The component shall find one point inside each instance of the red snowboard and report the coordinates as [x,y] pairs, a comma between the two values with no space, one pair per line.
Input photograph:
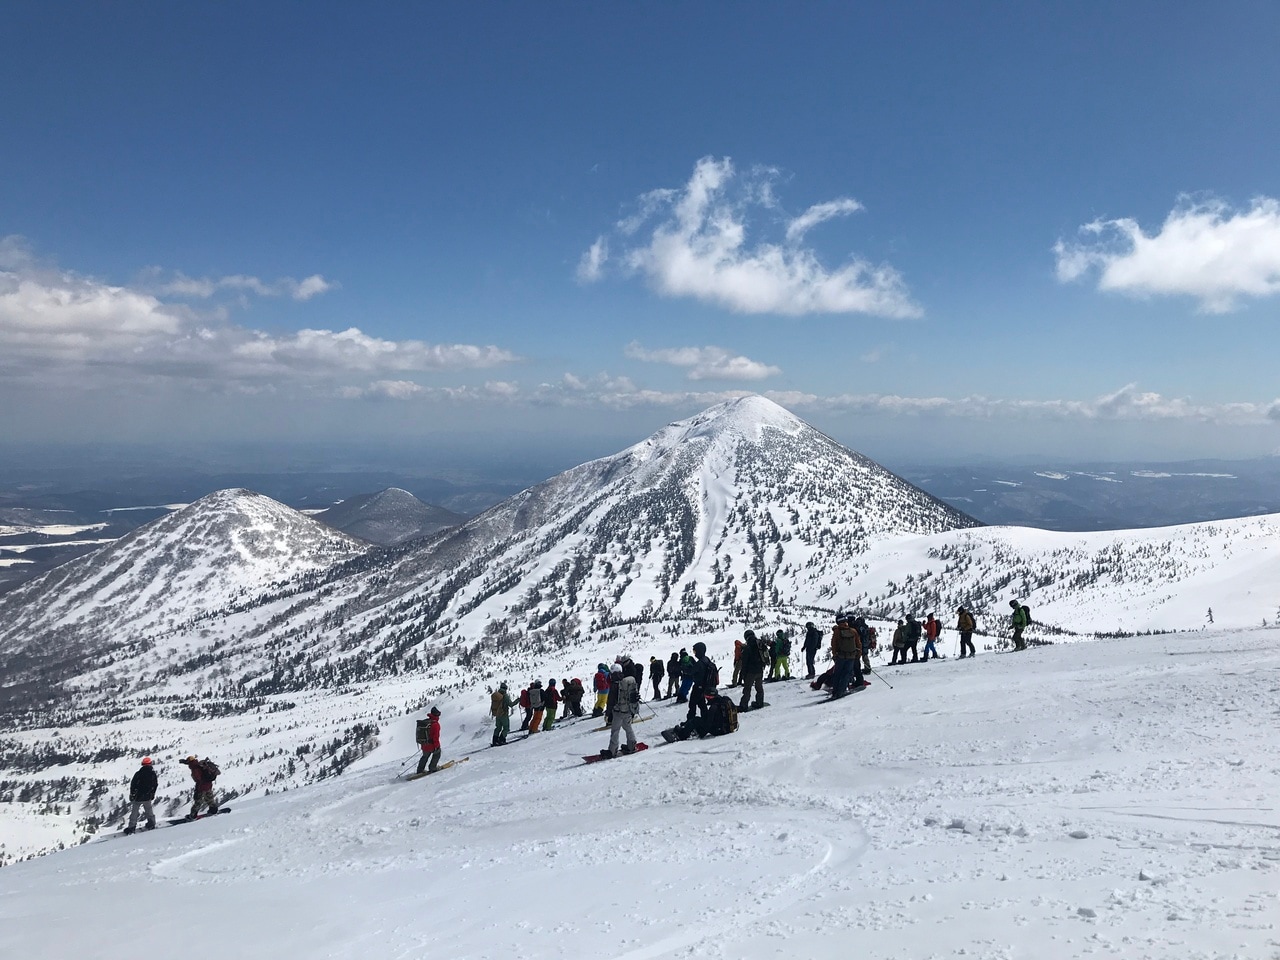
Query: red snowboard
[605,756]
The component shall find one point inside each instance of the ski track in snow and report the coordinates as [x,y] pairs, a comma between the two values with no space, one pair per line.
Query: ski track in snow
[1112,799]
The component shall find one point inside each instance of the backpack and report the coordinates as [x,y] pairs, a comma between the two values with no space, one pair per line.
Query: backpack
[712,677]
[423,731]
[524,700]
[210,769]
[496,703]
[1026,612]
[722,717]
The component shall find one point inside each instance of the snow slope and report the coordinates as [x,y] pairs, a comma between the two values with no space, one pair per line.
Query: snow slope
[1079,800]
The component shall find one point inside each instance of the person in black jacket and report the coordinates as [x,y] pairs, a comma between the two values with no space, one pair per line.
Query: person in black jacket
[704,681]
[142,790]
[812,644]
[753,656]
[656,672]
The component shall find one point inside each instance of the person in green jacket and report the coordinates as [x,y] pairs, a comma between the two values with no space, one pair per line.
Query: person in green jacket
[1019,624]
[500,709]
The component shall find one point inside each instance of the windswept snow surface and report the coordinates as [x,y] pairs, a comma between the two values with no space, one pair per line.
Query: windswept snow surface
[1082,800]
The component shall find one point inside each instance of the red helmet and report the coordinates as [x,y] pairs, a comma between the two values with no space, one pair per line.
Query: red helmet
[146,761]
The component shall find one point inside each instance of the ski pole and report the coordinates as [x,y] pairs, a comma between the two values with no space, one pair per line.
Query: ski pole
[886,682]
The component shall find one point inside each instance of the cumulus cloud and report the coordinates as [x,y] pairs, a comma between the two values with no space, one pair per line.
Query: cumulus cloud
[705,363]
[693,243]
[1206,250]
[52,320]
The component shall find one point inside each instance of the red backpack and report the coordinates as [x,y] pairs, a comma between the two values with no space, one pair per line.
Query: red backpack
[524,699]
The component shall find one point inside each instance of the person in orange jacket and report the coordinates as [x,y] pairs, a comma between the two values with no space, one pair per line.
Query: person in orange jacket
[431,749]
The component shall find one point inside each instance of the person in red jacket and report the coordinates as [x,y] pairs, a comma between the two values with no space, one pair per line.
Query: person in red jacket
[204,788]
[431,749]
[601,686]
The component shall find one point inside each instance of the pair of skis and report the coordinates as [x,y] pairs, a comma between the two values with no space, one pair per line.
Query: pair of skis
[444,766]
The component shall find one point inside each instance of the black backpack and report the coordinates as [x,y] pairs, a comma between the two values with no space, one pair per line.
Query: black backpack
[722,717]
[423,732]
[712,677]
[210,769]
[1026,612]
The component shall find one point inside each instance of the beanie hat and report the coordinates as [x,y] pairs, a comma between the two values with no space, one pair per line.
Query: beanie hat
[699,648]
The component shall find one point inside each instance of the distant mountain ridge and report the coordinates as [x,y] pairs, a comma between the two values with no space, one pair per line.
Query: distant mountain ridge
[388,517]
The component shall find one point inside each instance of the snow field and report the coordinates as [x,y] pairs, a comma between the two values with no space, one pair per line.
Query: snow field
[1080,800]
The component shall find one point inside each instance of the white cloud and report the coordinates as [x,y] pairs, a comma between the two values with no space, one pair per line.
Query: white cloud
[698,248]
[705,363]
[156,281]
[820,213]
[591,266]
[1204,250]
[55,321]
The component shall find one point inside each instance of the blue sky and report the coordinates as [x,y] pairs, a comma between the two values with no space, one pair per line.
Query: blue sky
[933,230]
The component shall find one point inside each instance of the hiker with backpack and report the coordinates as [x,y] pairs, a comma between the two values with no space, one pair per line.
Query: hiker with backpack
[656,672]
[621,707]
[931,630]
[673,675]
[686,676]
[913,635]
[773,658]
[500,704]
[574,692]
[866,640]
[754,652]
[965,625]
[705,678]
[899,644]
[551,700]
[538,705]
[781,656]
[142,791]
[812,644]
[429,739]
[203,772]
[846,650]
[600,684]
[1021,617]
[528,710]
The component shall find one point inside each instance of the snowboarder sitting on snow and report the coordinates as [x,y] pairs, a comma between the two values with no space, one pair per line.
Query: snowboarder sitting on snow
[623,704]
[142,790]
[824,680]
[431,745]
[500,705]
[203,772]
[721,718]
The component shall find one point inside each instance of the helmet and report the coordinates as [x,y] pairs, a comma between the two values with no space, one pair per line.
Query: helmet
[1013,603]
[748,634]
[502,685]
[780,634]
[146,761]
[190,759]
[842,618]
[699,648]
[616,668]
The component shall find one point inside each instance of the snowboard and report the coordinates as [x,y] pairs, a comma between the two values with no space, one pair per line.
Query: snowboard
[605,756]
[753,706]
[444,766]
[203,816]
